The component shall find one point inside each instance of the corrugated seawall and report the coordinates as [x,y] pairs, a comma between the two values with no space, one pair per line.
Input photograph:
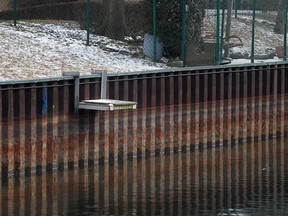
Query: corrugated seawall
[177,110]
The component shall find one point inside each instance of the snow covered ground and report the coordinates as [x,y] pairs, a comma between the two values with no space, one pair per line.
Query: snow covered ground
[34,49]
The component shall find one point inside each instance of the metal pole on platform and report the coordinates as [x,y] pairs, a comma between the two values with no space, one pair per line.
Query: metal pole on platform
[154,31]
[184,32]
[88,22]
[285,32]
[15,12]
[253,32]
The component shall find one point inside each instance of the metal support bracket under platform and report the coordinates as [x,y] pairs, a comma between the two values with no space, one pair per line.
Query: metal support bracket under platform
[102,104]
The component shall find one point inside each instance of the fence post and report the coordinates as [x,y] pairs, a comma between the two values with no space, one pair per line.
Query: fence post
[285,32]
[154,31]
[15,12]
[253,32]
[217,49]
[222,30]
[88,22]
[236,8]
[228,24]
[184,32]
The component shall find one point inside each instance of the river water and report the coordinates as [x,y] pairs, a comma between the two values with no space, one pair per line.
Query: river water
[246,179]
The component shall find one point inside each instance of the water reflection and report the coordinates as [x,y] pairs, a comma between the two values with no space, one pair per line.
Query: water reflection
[246,179]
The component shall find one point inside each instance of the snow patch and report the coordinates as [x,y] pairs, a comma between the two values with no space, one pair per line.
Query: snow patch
[36,50]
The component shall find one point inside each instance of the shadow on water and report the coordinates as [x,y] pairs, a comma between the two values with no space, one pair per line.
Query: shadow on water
[247,179]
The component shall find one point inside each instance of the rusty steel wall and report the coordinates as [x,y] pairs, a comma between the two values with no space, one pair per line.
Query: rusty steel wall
[176,111]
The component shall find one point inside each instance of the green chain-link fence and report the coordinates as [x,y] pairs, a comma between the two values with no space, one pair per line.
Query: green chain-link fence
[175,32]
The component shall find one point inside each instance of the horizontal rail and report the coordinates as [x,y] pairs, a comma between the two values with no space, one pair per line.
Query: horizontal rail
[194,71]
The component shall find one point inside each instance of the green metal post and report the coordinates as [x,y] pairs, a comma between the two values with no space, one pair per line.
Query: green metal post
[154,31]
[222,29]
[184,32]
[217,48]
[253,32]
[15,12]
[236,8]
[88,22]
[285,32]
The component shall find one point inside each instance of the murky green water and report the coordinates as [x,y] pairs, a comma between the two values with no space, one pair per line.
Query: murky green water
[247,179]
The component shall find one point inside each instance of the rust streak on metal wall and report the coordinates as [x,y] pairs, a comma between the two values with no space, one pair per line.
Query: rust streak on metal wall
[203,113]
[39,133]
[236,126]
[244,101]
[116,123]
[273,120]
[260,104]
[105,133]
[221,109]
[251,113]
[161,113]
[134,118]
[64,117]
[22,125]
[93,129]
[171,111]
[104,152]
[143,116]
[10,132]
[212,111]
[42,149]
[267,102]
[101,136]
[152,138]
[179,112]
[72,153]
[84,137]
[188,111]
[33,125]
[1,133]
[149,117]
[286,105]
[228,110]
[126,148]
[96,148]
[282,101]
[54,127]
[196,111]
